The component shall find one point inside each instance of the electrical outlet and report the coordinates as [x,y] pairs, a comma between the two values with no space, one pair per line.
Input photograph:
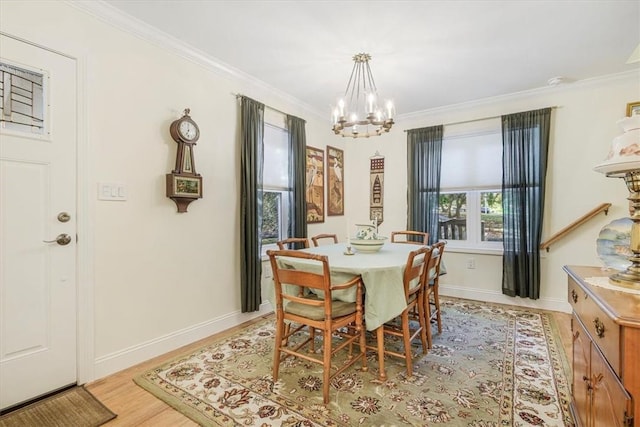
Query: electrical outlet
[471,263]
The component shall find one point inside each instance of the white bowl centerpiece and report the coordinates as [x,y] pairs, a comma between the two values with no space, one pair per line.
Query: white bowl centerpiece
[367,239]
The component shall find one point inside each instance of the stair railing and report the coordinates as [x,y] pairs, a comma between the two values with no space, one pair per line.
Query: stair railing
[604,207]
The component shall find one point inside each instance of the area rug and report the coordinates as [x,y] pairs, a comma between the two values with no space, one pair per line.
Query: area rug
[493,365]
[74,407]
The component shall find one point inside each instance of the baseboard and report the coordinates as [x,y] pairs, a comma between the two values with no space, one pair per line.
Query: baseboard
[499,298]
[117,361]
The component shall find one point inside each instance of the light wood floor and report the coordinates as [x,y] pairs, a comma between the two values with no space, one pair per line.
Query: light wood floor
[137,407]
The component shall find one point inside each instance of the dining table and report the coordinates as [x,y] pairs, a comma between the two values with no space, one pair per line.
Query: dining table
[382,275]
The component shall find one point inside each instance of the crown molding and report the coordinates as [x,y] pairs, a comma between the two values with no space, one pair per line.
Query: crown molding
[114,17]
[516,96]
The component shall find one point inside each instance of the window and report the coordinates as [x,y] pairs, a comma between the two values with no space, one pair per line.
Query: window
[22,103]
[276,194]
[471,216]
[470,204]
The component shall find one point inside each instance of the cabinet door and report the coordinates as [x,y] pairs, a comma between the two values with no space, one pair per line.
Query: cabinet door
[610,400]
[581,350]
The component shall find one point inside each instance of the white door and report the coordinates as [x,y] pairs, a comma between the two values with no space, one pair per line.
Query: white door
[37,204]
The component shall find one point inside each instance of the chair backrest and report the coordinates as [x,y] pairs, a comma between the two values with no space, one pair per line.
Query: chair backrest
[409,236]
[316,239]
[414,277]
[439,246]
[317,276]
[293,243]
[433,269]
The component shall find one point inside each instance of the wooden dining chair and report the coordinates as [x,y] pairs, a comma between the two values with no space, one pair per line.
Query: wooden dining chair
[324,314]
[409,236]
[293,243]
[414,287]
[324,237]
[432,293]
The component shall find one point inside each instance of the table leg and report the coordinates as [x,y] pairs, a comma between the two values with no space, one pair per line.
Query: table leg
[382,376]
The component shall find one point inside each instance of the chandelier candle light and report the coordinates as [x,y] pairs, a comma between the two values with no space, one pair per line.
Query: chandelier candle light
[360,117]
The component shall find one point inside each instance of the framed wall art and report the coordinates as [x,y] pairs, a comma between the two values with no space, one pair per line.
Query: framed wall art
[315,185]
[633,109]
[335,183]
[376,188]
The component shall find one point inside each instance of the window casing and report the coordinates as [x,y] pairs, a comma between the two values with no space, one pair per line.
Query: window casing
[470,204]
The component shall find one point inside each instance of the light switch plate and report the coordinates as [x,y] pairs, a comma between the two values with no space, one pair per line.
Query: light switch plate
[112,191]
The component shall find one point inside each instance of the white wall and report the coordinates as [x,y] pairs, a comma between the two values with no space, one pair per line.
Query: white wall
[582,129]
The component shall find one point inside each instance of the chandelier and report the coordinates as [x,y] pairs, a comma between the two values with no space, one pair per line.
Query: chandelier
[357,114]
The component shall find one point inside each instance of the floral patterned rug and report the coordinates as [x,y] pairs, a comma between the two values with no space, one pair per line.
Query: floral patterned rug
[492,366]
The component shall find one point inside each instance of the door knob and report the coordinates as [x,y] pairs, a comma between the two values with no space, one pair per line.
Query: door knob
[61,239]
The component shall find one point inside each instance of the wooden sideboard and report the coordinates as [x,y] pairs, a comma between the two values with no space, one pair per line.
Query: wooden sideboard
[606,352]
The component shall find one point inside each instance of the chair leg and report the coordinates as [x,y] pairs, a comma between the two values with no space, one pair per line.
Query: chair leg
[407,343]
[436,298]
[423,325]
[287,328]
[427,317]
[326,365]
[280,326]
[312,335]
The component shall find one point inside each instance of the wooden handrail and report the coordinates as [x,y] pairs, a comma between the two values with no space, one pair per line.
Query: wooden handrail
[604,207]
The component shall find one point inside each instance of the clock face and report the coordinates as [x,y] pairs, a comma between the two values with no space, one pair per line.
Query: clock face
[188,130]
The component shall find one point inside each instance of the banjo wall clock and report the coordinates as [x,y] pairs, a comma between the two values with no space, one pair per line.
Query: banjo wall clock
[184,184]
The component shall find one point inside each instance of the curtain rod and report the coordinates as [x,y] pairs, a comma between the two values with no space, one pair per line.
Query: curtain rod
[238,95]
[479,119]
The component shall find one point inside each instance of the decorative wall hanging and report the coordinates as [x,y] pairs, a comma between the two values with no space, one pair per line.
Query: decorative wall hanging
[315,185]
[335,183]
[376,188]
[184,185]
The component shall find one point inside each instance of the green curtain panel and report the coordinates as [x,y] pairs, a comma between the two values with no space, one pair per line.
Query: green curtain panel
[525,139]
[251,158]
[297,159]
[424,159]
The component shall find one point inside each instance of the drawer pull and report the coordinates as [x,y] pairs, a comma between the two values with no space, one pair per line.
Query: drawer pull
[574,296]
[597,323]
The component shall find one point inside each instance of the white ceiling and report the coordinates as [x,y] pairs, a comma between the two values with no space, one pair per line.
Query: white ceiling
[425,54]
